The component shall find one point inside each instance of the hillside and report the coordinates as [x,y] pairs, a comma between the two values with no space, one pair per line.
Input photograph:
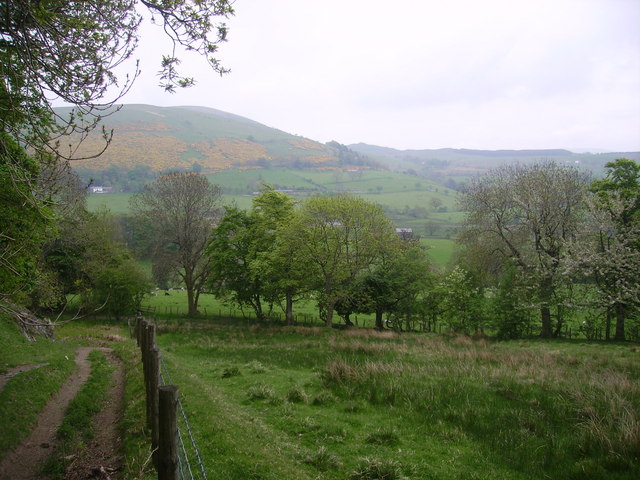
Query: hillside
[462,162]
[183,137]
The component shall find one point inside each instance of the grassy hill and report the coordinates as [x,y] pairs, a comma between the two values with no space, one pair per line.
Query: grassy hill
[179,137]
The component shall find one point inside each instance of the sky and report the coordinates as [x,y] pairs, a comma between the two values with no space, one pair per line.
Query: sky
[418,74]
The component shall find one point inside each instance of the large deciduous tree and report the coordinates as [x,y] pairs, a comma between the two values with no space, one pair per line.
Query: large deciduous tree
[526,214]
[340,237]
[252,262]
[182,207]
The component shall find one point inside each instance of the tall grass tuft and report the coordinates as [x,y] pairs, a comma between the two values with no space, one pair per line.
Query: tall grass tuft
[372,469]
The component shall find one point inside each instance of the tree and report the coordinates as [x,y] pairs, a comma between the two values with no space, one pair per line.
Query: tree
[182,207]
[69,50]
[526,214]
[251,260]
[393,286]
[231,252]
[461,301]
[340,237]
[608,251]
[63,50]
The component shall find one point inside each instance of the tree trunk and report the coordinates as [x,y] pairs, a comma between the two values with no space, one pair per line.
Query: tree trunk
[619,337]
[191,302]
[545,314]
[347,320]
[546,293]
[288,313]
[379,324]
[329,319]
[607,325]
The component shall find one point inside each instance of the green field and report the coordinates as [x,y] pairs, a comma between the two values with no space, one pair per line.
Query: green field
[308,403]
[440,250]
[390,189]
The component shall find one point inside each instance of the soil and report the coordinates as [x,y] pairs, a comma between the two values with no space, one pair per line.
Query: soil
[100,458]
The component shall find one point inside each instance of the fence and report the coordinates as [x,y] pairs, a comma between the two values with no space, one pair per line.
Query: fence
[165,415]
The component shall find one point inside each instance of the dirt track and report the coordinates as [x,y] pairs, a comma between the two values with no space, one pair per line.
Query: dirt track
[99,458]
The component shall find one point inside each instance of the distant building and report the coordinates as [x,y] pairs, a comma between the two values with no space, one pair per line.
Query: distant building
[100,189]
[405,233]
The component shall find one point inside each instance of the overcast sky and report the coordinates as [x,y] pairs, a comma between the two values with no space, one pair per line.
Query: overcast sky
[407,74]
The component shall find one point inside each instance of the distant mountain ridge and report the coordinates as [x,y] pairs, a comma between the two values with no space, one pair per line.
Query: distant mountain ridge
[464,162]
[375,150]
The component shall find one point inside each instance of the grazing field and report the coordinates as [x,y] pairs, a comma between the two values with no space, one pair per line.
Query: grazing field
[439,249]
[392,190]
[310,403]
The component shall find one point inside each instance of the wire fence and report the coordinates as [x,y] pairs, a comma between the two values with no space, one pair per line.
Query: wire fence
[186,450]
[176,453]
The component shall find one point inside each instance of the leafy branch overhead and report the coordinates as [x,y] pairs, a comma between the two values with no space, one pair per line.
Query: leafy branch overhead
[68,51]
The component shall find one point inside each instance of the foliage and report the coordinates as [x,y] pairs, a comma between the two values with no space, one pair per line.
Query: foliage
[462,302]
[69,51]
[608,251]
[182,208]
[24,219]
[251,262]
[120,288]
[524,214]
[341,237]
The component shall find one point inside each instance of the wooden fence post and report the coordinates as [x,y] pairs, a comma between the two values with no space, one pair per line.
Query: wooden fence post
[150,340]
[167,433]
[154,382]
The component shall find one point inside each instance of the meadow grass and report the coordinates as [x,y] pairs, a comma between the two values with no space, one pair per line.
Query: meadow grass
[389,189]
[440,250]
[117,203]
[307,402]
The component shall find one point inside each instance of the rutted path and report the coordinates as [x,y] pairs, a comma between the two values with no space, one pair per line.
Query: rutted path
[25,461]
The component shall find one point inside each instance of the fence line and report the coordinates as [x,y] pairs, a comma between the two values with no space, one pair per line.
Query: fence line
[155,369]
